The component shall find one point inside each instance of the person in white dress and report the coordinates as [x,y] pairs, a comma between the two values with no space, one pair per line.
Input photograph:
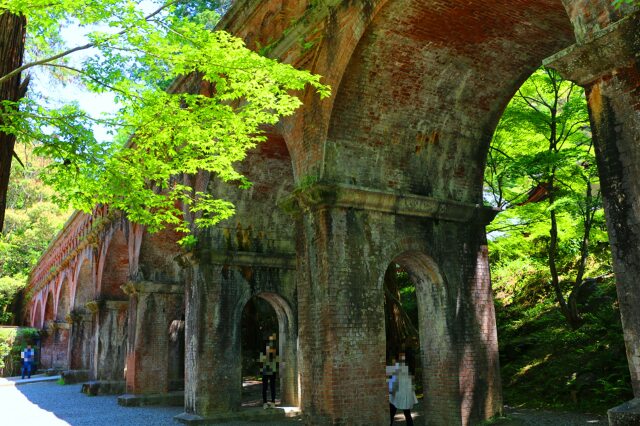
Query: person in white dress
[401,393]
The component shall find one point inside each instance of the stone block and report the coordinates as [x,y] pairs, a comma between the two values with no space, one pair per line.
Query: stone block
[627,414]
[75,376]
[248,415]
[104,387]
[173,399]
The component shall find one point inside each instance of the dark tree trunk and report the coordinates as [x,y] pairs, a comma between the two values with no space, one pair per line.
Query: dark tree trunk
[394,324]
[12,35]
[399,327]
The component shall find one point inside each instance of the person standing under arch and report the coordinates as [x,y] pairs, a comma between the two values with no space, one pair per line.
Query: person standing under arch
[269,369]
[401,393]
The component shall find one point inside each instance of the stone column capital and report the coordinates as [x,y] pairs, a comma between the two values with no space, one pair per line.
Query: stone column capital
[614,47]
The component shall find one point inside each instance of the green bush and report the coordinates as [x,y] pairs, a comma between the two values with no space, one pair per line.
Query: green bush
[545,363]
[12,341]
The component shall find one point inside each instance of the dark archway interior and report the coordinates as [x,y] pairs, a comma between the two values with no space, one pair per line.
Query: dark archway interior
[401,317]
[402,325]
[176,354]
[259,321]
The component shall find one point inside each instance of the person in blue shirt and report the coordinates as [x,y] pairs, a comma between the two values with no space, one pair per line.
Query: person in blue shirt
[28,357]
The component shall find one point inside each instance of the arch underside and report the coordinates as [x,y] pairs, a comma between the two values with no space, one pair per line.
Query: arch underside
[425,87]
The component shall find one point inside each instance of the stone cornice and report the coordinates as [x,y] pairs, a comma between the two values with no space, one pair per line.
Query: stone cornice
[347,196]
[616,46]
[246,258]
[135,287]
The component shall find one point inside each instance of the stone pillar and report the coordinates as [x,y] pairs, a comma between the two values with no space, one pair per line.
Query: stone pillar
[348,238]
[607,64]
[80,341]
[219,285]
[55,346]
[152,308]
[110,339]
[213,373]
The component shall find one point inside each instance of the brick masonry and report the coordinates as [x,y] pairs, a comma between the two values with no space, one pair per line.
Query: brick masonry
[388,169]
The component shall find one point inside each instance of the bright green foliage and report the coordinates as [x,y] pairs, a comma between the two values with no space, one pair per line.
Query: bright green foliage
[12,341]
[32,220]
[174,134]
[541,169]
[544,363]
[618,3]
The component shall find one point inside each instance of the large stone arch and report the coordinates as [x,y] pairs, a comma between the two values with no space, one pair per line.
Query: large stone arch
[404,154]
[49,305]
[155,336]
[81,341]
[84,283]
[37,316]
[63,296]
[113,265]
[250,253]
[110,310]
[425,87]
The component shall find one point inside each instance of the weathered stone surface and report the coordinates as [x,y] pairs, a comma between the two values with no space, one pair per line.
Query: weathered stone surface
[249,415]
[103,387]
[627,414]
[175,398]
[75,376]
[388,169]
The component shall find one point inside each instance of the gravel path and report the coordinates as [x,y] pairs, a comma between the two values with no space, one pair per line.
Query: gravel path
[50,404]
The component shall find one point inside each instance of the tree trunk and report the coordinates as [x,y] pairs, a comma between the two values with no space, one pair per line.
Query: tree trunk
[12,36]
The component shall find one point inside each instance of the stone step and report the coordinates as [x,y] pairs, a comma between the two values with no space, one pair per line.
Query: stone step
[173,399]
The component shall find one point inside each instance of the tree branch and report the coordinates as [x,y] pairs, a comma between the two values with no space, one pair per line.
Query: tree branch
[77,48]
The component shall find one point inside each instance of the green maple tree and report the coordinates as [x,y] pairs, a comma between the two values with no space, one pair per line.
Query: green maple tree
[161,135]
[541,170]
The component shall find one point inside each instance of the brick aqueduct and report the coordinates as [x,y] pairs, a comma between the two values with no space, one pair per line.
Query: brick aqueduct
[389,169]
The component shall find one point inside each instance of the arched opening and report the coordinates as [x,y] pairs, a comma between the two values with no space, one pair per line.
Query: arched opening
[259,322]
[49,308]
[54,344]
[81,340]
[37,315]
[549,251]
[115,271]
[415,339]
[266,342]
[85,287]
[401,327]
[176,354]
[64,299]
[62,327]
[156,313]
[112,312]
